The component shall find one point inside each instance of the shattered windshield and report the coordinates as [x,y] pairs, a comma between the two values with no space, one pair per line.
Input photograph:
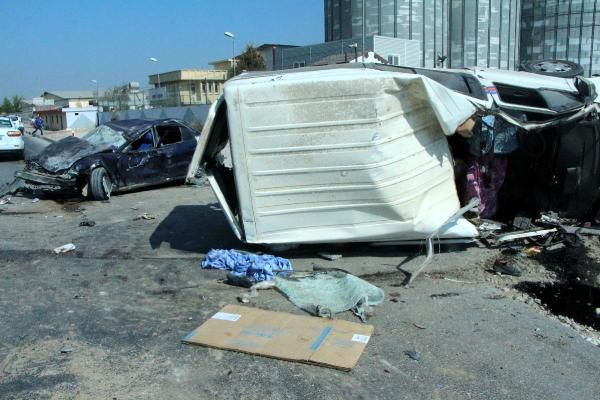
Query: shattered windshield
[105,136]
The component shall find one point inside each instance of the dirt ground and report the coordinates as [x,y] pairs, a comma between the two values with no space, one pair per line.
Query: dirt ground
[106,321]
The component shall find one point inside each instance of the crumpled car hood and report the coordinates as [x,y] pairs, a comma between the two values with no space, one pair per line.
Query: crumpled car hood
[63,154]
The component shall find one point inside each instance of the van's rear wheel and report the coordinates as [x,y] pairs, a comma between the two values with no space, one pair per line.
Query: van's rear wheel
[557,68]
[100,184]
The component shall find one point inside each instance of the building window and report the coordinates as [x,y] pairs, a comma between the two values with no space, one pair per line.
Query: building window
[298,64]
[394,59]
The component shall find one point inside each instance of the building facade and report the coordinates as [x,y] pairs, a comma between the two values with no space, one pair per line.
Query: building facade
[76,118]
[189,86]
[564,30]
[464,33]
[395,51]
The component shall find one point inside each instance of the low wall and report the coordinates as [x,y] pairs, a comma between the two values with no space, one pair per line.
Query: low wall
[192,115]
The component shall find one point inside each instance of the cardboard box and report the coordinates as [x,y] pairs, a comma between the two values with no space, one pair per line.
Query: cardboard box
[328,342]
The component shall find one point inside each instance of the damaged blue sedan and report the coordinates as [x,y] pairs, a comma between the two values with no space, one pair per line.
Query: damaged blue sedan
[114,157]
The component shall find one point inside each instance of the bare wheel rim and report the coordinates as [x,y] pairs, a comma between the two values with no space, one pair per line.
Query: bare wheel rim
[552,66]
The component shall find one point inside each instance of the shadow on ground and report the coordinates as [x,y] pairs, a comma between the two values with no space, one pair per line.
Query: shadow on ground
[195,228]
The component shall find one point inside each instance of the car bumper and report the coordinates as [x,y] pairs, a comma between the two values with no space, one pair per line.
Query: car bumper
[11,146]
[46,182]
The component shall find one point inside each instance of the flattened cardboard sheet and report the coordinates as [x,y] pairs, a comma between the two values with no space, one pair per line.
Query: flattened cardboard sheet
[332,343]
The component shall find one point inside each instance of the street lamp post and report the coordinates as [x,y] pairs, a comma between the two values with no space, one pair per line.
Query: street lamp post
[355,46]
[97,102]
[232,36]
[155,60]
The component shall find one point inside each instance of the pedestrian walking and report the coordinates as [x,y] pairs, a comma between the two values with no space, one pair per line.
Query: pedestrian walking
[38,124]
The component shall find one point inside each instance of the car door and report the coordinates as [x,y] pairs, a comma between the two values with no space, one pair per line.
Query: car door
[178,145]
[142,162]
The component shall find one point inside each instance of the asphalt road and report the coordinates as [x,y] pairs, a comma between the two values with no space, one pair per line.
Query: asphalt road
[106,320]
[8,167]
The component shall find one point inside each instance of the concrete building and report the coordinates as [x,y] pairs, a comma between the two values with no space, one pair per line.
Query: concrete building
[395,51]
[67,109]
[565,30]
[481,33]
[188,86]
[76,118]
[70,98]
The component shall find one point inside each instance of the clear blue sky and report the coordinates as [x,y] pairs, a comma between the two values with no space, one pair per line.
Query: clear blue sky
[64,44]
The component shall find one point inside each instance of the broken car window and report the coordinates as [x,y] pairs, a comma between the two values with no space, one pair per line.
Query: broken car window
[168,134]
[105,136]
[145,142]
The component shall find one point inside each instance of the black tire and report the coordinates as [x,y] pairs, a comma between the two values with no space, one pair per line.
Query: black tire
[557,68]
[100,184]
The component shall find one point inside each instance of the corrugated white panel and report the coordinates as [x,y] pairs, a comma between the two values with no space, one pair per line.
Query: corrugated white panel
[343,155]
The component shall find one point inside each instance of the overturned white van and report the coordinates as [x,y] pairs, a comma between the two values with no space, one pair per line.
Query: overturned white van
[359,153]
[334,155]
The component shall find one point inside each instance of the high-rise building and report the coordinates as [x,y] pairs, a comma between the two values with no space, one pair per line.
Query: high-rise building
[564,30]
[485,33]
[481,33]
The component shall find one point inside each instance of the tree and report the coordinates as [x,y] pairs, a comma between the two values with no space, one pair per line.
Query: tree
[250,60]
[17,103]
[7,106]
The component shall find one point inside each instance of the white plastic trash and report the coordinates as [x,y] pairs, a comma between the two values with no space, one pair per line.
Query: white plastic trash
[64,248]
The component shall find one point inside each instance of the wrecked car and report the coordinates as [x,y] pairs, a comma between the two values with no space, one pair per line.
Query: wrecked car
[113,157]
[380,153]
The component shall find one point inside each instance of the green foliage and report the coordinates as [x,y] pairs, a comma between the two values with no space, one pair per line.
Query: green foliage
[7,106]
[250,60]
[17,104]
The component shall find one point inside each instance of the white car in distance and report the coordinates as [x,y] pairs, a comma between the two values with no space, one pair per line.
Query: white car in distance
[17,122]
[11,138]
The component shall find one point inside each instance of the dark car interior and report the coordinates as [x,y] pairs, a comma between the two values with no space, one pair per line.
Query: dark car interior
[145,142]
[168,134]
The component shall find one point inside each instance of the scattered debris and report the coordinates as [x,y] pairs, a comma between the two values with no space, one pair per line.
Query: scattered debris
[532,251]
[394,294]
[326,294]
[4,201]
[413,355]
[419,326]
[509,237]
[489,226]
[66,350]
[503,266]
[87,222]
[449,294]
[329,256]
[64,248]
[523,224]
[35,200]
[331,343]
[255,267]
[145,216]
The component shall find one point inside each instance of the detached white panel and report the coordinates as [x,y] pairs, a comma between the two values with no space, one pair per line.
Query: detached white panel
[343,155]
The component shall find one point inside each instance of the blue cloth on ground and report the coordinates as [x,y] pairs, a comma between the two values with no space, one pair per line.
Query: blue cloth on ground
[259,267]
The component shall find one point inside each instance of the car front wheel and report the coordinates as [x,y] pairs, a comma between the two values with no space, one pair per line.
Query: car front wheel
[100,184]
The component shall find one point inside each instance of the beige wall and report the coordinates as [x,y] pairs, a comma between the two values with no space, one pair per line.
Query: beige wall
[192,86]
[79,103]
